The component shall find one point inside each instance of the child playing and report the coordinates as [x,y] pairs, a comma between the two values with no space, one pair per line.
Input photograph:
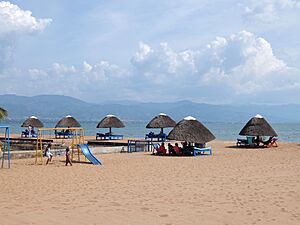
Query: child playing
[68,156]
[48,154]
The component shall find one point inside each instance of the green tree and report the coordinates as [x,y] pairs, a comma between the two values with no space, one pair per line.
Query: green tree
[3,113]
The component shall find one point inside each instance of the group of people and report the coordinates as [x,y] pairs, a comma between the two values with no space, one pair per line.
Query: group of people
[186,149]
[267,143]
[49,155]
[29,132]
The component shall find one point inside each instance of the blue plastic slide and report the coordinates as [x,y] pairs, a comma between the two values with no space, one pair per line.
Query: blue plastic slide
[88,154]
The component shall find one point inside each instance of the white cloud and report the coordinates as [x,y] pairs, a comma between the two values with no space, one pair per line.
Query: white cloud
[102,71]
[14,19]
[228,69]
[63,69]
[241,64]
[15,22]
[162,64]
[266,11]
[37,74]
[88,80]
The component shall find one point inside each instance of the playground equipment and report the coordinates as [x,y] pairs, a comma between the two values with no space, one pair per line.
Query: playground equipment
[76,137]
[87,153]
[6,146]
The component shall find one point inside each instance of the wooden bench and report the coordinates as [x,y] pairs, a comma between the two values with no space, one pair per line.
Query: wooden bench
[202,151]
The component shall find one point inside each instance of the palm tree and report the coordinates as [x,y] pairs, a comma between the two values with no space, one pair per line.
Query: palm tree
[3,113]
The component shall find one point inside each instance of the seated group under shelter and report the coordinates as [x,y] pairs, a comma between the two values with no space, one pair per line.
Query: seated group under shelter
[66,122]
[258,132]
[65,133]
[193,136]
[109,121]
[161,121]
[30,123]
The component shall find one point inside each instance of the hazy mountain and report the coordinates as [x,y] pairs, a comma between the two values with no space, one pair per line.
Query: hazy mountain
[56,107]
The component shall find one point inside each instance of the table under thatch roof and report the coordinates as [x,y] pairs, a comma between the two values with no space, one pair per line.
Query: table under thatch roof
[68,121]
[191,130]
[258,126]
[161,121]
[32,121]
[110,121]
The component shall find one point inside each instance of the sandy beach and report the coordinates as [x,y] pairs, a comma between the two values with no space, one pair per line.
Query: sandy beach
[234,186]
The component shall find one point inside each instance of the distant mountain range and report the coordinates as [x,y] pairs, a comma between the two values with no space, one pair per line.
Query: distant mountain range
[53,107]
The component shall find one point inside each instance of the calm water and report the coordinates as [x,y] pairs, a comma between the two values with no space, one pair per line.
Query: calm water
[223,131]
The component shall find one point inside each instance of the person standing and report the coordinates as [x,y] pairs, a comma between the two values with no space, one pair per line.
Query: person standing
[68,157]
[48,153]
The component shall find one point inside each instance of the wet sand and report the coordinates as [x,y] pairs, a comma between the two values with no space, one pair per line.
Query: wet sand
[234,186]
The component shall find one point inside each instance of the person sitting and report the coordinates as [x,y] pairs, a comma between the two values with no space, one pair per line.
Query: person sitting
[29,130]
[33,134]
[68,132]
[271,142]
[25,133]
[162,150]
[187,149]
[274,142]
[177,150]
[171,149]
[257,140]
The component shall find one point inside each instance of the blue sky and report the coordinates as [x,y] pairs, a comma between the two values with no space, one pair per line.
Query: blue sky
[200,50]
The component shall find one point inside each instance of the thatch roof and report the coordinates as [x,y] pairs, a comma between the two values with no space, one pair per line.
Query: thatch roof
[68,121]
[191,130]
[3,113]
[110,121]
[32,121]
[161,121]
[258,126]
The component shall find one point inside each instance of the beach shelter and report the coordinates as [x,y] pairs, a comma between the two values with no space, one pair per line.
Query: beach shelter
[258,126]
[3,113]
[110,121]
[32,121]
[161,121]
[191,130]
[68,121]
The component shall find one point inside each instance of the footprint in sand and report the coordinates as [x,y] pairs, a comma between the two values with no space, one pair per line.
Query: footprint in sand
[164,215]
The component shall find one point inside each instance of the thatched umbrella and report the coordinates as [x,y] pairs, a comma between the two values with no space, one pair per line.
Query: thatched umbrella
[68,121]
[161,121]
[191,130]
[3,113]
[110,121]
[258,126]
[32,121]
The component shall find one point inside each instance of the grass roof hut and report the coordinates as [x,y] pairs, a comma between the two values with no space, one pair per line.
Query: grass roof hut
[110,121]
[68,121]
[191,130]
[258,126]
[161,121]
[32,121]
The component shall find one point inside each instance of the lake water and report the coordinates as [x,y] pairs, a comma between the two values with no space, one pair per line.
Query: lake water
[289,132]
